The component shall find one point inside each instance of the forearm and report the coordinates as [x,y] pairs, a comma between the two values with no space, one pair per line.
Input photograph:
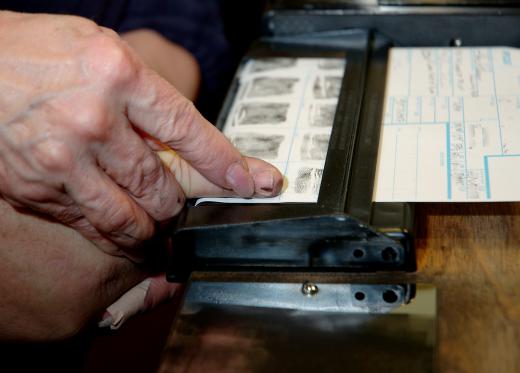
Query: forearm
[171,61]
[75,103]
[53,280]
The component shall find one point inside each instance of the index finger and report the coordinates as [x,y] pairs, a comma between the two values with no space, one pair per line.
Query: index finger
[157,108]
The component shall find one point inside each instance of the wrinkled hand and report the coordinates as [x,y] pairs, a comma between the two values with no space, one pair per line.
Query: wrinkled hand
[54,281]
[83,128]
[80,118]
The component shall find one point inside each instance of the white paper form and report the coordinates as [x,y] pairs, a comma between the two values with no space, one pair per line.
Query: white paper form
[283,113]
[451,127]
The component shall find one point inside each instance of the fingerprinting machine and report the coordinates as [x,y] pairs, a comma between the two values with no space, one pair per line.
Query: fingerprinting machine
[305,267]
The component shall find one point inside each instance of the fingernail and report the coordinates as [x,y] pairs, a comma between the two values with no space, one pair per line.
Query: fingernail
[240,180]
[264,182]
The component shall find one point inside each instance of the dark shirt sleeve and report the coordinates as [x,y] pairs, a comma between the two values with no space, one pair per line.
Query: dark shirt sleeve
[105,12]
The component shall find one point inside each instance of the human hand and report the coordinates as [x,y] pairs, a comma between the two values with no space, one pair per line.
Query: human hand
[80,116]
[155,289]
[54,281]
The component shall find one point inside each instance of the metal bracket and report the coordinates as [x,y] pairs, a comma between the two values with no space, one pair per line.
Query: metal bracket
[318,243]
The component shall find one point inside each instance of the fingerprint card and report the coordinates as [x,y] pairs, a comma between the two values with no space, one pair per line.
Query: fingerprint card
[283,113]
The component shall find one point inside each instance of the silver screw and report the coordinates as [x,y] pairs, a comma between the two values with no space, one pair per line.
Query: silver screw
[456,42]
[309,289]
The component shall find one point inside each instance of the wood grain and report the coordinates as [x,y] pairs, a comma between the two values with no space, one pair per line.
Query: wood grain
[471,252]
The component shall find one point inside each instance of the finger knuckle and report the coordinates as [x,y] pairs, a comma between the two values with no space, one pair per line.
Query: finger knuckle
[92,123]
[183,117]
[149,171]
[33,195]
[70,215]
[156,188]
[181,200]
[52,155]
[84,113]
[119,218]
[27,187]
[123,225]
[173,199]
[110,60]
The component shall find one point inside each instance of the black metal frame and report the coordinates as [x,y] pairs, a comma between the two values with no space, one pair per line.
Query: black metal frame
[290,237]
[330,235]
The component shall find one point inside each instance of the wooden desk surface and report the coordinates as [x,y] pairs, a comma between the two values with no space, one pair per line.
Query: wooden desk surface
[471,252]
